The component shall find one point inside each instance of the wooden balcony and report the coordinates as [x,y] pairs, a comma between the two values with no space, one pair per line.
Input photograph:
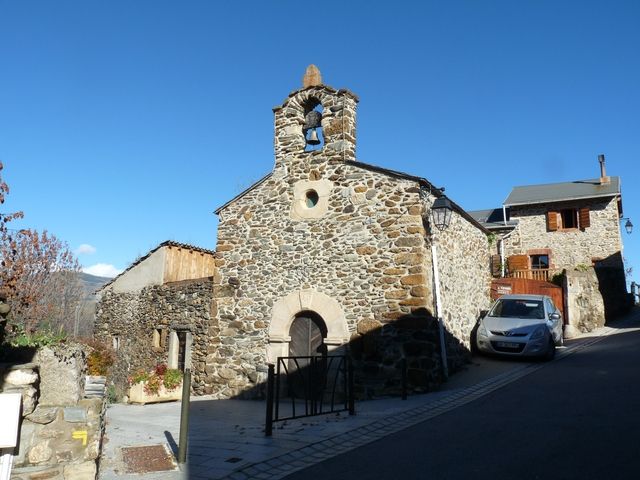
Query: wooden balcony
[543,274]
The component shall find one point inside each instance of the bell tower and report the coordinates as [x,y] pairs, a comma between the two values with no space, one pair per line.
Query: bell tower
[315,123]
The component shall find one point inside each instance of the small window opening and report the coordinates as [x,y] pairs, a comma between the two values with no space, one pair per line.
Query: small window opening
[312,198]
[539,262]
[312,129]
[115,341]
[569,218]
[159,338]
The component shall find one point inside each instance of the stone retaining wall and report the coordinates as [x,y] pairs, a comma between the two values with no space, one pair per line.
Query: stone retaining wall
[61,433]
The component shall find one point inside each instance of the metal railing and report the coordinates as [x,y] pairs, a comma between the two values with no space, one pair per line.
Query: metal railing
[308,386]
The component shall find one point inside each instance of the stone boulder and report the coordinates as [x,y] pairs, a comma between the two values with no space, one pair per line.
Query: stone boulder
[62,369]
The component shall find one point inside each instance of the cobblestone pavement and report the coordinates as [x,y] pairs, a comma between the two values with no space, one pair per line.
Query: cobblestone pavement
[227,436]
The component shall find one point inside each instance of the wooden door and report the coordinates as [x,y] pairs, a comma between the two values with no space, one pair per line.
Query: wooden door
[306,337]
[307,334]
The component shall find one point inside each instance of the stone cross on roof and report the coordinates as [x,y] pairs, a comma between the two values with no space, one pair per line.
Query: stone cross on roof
[311,77]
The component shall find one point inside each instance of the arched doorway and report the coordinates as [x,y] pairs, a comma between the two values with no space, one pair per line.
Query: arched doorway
[307,333]
[300,302]
[306,374]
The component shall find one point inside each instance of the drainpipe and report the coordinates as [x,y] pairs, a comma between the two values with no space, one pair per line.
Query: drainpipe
[436,285]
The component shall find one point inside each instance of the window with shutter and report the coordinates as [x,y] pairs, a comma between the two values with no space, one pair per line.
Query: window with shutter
[584,218]
[568,218]
[552,221]
[518,262]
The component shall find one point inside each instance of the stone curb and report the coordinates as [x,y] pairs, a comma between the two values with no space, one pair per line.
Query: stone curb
[285,464]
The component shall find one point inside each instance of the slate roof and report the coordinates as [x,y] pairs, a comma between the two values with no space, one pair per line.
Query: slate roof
[492,219]
[557,192]
[167,243]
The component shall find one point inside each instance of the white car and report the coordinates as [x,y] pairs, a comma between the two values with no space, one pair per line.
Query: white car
[521,325]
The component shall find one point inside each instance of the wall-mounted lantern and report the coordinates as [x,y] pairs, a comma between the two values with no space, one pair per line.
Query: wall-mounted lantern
[628,226]
[441,211]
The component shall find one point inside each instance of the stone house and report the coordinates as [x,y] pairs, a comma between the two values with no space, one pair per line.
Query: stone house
[327,253]
[542,230]
[159,310]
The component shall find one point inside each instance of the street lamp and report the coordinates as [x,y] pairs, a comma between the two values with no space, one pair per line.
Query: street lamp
[441,211]
[628,226]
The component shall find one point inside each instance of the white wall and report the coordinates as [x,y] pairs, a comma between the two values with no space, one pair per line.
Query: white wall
[148,272]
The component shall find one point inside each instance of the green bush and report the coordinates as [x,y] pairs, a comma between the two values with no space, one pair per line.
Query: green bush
[161,375]
[40,338]
[172,379]
[112,394]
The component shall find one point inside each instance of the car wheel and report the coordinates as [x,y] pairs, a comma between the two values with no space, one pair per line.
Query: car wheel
[551,351]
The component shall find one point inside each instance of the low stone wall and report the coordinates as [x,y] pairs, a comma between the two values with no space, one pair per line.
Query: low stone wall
[60,433]
[585,306]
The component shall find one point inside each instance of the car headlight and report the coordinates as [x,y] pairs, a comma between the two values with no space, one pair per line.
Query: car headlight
[539,333]
[482,332]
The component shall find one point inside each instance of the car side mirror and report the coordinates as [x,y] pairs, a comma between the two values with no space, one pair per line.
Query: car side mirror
[483,313]
[554,316]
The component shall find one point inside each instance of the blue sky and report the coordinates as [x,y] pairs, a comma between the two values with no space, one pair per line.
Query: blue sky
[124,124]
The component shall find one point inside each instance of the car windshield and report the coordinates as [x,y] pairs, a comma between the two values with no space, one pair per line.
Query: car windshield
[518,308]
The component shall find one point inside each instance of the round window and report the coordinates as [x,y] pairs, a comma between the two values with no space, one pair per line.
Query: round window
[312,198]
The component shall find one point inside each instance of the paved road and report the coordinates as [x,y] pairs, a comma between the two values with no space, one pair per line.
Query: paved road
[576,418]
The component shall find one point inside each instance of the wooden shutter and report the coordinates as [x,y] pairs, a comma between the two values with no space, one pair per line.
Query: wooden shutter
[518,262]
[496,266]
[583,218]
[552,221]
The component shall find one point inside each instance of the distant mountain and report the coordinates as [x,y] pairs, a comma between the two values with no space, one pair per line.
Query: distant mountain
[91,283]
[85,315]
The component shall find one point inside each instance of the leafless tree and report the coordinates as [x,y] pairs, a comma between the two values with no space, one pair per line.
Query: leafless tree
[38,275]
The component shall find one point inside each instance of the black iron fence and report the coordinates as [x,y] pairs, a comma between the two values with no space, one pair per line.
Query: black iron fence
[308,386]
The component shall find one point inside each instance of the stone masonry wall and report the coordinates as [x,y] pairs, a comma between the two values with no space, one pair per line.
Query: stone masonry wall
[574,247]
[134,316]
[465,276]
[367,252]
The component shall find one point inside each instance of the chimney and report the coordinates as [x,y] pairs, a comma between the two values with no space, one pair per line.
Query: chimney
[603,172]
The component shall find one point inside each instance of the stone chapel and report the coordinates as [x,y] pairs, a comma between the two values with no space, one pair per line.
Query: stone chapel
[324,254]
[329,248]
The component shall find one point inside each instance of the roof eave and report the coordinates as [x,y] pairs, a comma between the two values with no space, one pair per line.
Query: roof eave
[567,199]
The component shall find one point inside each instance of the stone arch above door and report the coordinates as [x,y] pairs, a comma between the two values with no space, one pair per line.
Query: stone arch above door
[285,310]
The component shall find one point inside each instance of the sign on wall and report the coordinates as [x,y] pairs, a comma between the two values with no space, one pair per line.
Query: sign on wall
[9,422]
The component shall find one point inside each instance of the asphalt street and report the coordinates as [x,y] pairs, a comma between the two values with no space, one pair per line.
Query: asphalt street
[576,418]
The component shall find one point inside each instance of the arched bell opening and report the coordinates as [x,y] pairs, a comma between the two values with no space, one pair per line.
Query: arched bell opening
[312,129]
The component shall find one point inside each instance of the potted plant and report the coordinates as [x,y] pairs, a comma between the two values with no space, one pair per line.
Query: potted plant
[160,385]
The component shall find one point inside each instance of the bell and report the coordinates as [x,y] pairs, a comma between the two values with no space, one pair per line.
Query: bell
[312,138]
